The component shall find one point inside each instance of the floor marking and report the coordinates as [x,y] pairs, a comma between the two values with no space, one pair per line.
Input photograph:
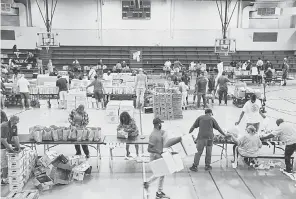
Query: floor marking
[245,184]
[190,176]
[216,185]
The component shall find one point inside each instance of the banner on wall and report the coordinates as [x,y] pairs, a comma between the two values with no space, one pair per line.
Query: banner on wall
[136,58]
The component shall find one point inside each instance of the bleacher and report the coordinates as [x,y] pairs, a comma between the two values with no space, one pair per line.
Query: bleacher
[153,58]
[275,57]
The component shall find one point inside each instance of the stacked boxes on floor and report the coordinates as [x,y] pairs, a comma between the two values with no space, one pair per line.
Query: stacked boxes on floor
[112,112]
[20,167]
[167,106]
[74,99]
[115,108]
[177,105]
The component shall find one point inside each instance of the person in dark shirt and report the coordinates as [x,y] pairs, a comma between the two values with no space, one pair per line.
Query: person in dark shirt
[62,84]
[201,90]
[3,117]
[9,134]
[268,76]
[211,86]
[205,123]
[285,68]
[223,88]
[268,64]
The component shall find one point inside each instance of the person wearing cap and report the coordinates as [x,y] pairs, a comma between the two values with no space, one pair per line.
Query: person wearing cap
[248,145]
[99,91]
[223,87]
[62,84]
[158,141]
[140,87]
[252,110]
[9,135]
[285,132]
[206,123]
[79,118]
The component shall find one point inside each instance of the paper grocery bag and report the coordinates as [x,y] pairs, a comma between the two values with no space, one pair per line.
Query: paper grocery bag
[55,135]
[60,134]
[84,135]
[66,133]
[188,145]
[79,134]
[91,135]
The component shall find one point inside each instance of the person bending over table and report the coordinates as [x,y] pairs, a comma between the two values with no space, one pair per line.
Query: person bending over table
[286,132]
[253,112]
[9,134]
[79,118]
[128,124]
[248,145]
[158,140]
[205,123]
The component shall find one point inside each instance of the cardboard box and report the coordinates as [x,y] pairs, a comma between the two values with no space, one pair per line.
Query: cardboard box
[61,176]
[113,111]
[188,144]
[76,160]
[15,164]
[167,165]
[48,158]
[80,170]
[112,119]
[16,179]
[15,172]
[15,156]
[43,182]
[29,194]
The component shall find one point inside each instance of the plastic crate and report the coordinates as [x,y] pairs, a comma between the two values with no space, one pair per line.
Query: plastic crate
[15,172]
[16,179]
[15,156]
[15,164]
[16,187]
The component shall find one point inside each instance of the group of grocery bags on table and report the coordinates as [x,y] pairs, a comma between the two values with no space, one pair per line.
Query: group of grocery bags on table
[54,133]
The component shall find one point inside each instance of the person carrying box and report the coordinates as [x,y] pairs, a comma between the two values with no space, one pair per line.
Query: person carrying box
[205,123]
[158,140]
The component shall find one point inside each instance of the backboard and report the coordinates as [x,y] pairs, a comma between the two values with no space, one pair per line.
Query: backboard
[225,46]
[47,40]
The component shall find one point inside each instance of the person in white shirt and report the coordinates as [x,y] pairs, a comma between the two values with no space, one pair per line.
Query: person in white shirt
[183,88]
[192,68]
[259,64]
[140,87]
[23,85]
[92,73]
[167,66]
[286,132]
[244,66]
[253,112]
[220,71]
[50,66]
[254,73]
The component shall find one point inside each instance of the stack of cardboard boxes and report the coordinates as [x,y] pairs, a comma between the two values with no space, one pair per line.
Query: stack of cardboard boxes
[115,108]
[75,98]
[20,167]
[167,106]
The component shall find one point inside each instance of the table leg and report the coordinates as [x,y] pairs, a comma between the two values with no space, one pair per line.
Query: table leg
[99,147]
[44,149]
[226,155]
[110,158]
[98,156]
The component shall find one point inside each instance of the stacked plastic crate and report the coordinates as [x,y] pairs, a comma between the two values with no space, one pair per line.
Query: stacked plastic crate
[20,167]
[177,106]
[156,105]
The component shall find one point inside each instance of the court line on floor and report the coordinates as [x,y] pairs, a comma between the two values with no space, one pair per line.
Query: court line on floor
[245,184]
[190,176]
[216,185]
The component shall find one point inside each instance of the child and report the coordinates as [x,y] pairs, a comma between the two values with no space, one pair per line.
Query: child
[249,145]
[183,89]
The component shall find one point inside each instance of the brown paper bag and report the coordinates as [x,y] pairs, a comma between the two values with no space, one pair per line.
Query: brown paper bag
[97,134]
[79,134]
[85,134]
[90,135]
[47,136]
[66,133]
[73,134]
[38,135]
[60,134]
[55,135]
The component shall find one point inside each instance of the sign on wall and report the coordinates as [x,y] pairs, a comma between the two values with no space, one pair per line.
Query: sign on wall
[265,37]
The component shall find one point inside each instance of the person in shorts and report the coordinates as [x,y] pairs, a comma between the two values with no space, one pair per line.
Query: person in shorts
[285,71]
[62,84]
[252,110]
[98,91]
[9,134]
[23,85]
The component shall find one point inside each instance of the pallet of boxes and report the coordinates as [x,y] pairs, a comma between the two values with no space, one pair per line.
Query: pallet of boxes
[20,167]
[167,106]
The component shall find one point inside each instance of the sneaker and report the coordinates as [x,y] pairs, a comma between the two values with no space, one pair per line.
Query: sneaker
[4,182]
[193,168]
[290,171]
[160,194]
[208,168]
[78,154]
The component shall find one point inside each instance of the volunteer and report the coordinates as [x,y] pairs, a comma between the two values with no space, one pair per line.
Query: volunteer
[248,145]
[79,118]
[211,87]
[201,87]
[286,132]
[3,117]
[220,70]
[99,91]
[285,68]
[9,134]
[108,79]
[223,88]
[62,84]
[183,88]
[140,87]
[253,112]
[128,125]
[92,73]
[23,85]
[205,123]
[158,140]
